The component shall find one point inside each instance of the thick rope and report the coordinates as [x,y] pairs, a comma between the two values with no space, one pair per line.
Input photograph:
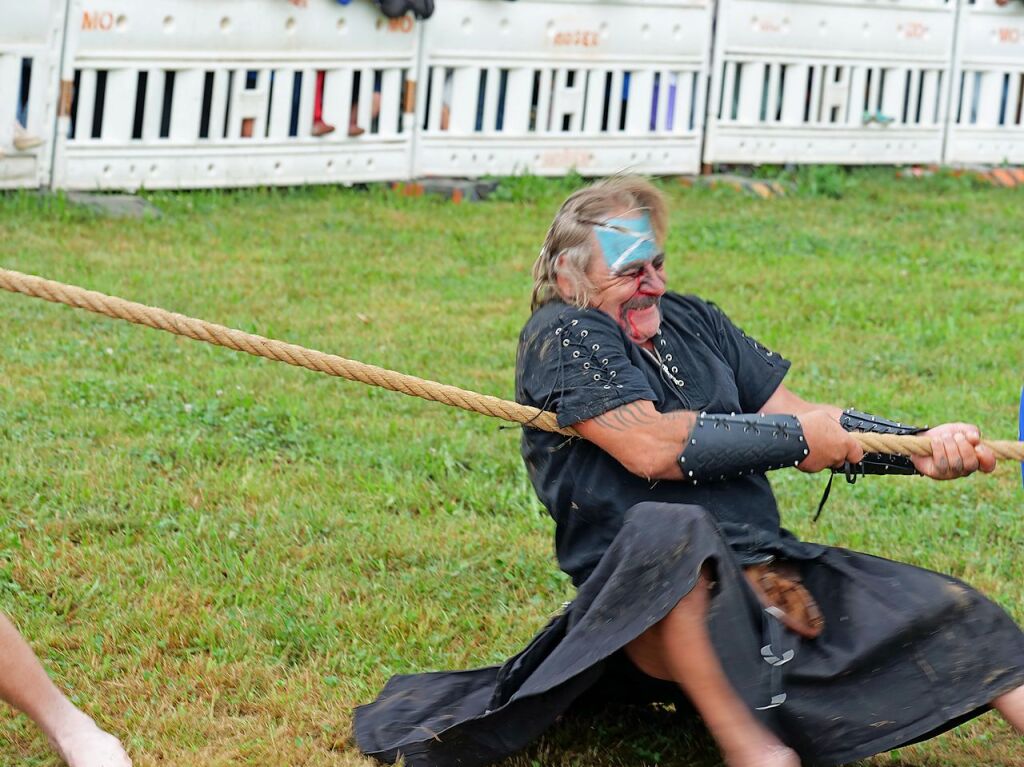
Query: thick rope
[240,341]
[331,364]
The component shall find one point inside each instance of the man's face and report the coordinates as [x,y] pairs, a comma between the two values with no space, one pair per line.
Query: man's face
[628,273]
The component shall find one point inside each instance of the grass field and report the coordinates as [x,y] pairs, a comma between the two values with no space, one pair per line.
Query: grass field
[219,556]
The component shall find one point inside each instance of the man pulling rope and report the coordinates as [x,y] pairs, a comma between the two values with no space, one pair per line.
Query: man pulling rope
[688,587]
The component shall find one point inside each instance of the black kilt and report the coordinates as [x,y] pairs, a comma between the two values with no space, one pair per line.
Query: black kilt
[906,654]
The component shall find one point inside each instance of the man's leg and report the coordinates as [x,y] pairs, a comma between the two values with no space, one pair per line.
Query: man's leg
[1011,706]
[25,685]
[679,649]
[320,128]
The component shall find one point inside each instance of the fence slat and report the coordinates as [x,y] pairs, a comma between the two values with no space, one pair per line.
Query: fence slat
[281,105]
[491,95]
[436,106]
[218,104]
[186,105]
[856,106]
[119,112]
[389,101]
[638,107]
[86,104]
[615,100]
[544,101]
[465,85]
[595,100]
[667,87]
[892,93]
[307,93]
[153,110]
[687,99]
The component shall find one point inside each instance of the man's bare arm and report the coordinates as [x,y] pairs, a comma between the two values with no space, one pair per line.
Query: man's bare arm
[643,440]
[785,401]
[648,443]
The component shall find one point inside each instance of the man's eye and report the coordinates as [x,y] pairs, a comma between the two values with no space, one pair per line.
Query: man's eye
[659,262]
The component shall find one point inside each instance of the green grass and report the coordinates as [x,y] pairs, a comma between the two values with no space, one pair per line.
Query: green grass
[218,556]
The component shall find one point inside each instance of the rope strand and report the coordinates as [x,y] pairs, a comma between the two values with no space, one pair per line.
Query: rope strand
[331,364]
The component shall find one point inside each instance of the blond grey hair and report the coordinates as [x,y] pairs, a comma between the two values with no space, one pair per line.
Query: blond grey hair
[570,242]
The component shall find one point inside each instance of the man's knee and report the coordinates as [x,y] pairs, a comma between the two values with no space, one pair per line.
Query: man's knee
[668,535]
[679,513]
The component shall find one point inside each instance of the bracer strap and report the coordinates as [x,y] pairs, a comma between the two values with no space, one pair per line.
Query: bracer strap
[877,463]
[726,446]
[873,463]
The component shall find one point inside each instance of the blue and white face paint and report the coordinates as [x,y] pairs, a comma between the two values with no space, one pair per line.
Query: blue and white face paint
[624,241]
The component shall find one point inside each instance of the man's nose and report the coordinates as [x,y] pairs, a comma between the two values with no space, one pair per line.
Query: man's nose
[651,282]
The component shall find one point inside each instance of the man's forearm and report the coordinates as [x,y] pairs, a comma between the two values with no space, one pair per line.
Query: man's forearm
[785,402]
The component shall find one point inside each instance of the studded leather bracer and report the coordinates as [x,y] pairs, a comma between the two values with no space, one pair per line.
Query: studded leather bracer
[877,463]
[726,446]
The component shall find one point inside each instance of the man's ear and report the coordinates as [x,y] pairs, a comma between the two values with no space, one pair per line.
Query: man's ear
[566,284]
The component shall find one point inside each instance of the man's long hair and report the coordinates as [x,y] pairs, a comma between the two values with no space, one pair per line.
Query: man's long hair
[572,235]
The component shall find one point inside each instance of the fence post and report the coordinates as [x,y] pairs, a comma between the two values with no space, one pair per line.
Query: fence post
[62,123]
[952,86]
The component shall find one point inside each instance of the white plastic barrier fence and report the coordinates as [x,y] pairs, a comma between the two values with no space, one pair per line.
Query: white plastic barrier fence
[987,120]
[840,81]
[30,42]
[192,93]
[548,86]
[115,94]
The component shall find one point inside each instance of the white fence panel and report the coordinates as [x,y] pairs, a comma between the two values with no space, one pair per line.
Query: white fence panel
[30,44]
[547,86]
[837,81]
[192,93]
[987,116]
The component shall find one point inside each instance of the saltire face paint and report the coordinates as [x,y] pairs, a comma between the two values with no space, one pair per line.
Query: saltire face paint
[624,241]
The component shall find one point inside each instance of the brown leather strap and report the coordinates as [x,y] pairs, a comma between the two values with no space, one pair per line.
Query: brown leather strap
[781,592]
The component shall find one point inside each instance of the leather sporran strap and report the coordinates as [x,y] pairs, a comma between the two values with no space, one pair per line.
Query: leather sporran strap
[780,590]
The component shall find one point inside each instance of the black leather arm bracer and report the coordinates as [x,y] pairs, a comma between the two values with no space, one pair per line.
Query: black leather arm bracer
[877,463]
[726,446]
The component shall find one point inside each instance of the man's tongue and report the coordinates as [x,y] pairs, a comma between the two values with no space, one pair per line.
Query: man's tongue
[643,323]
